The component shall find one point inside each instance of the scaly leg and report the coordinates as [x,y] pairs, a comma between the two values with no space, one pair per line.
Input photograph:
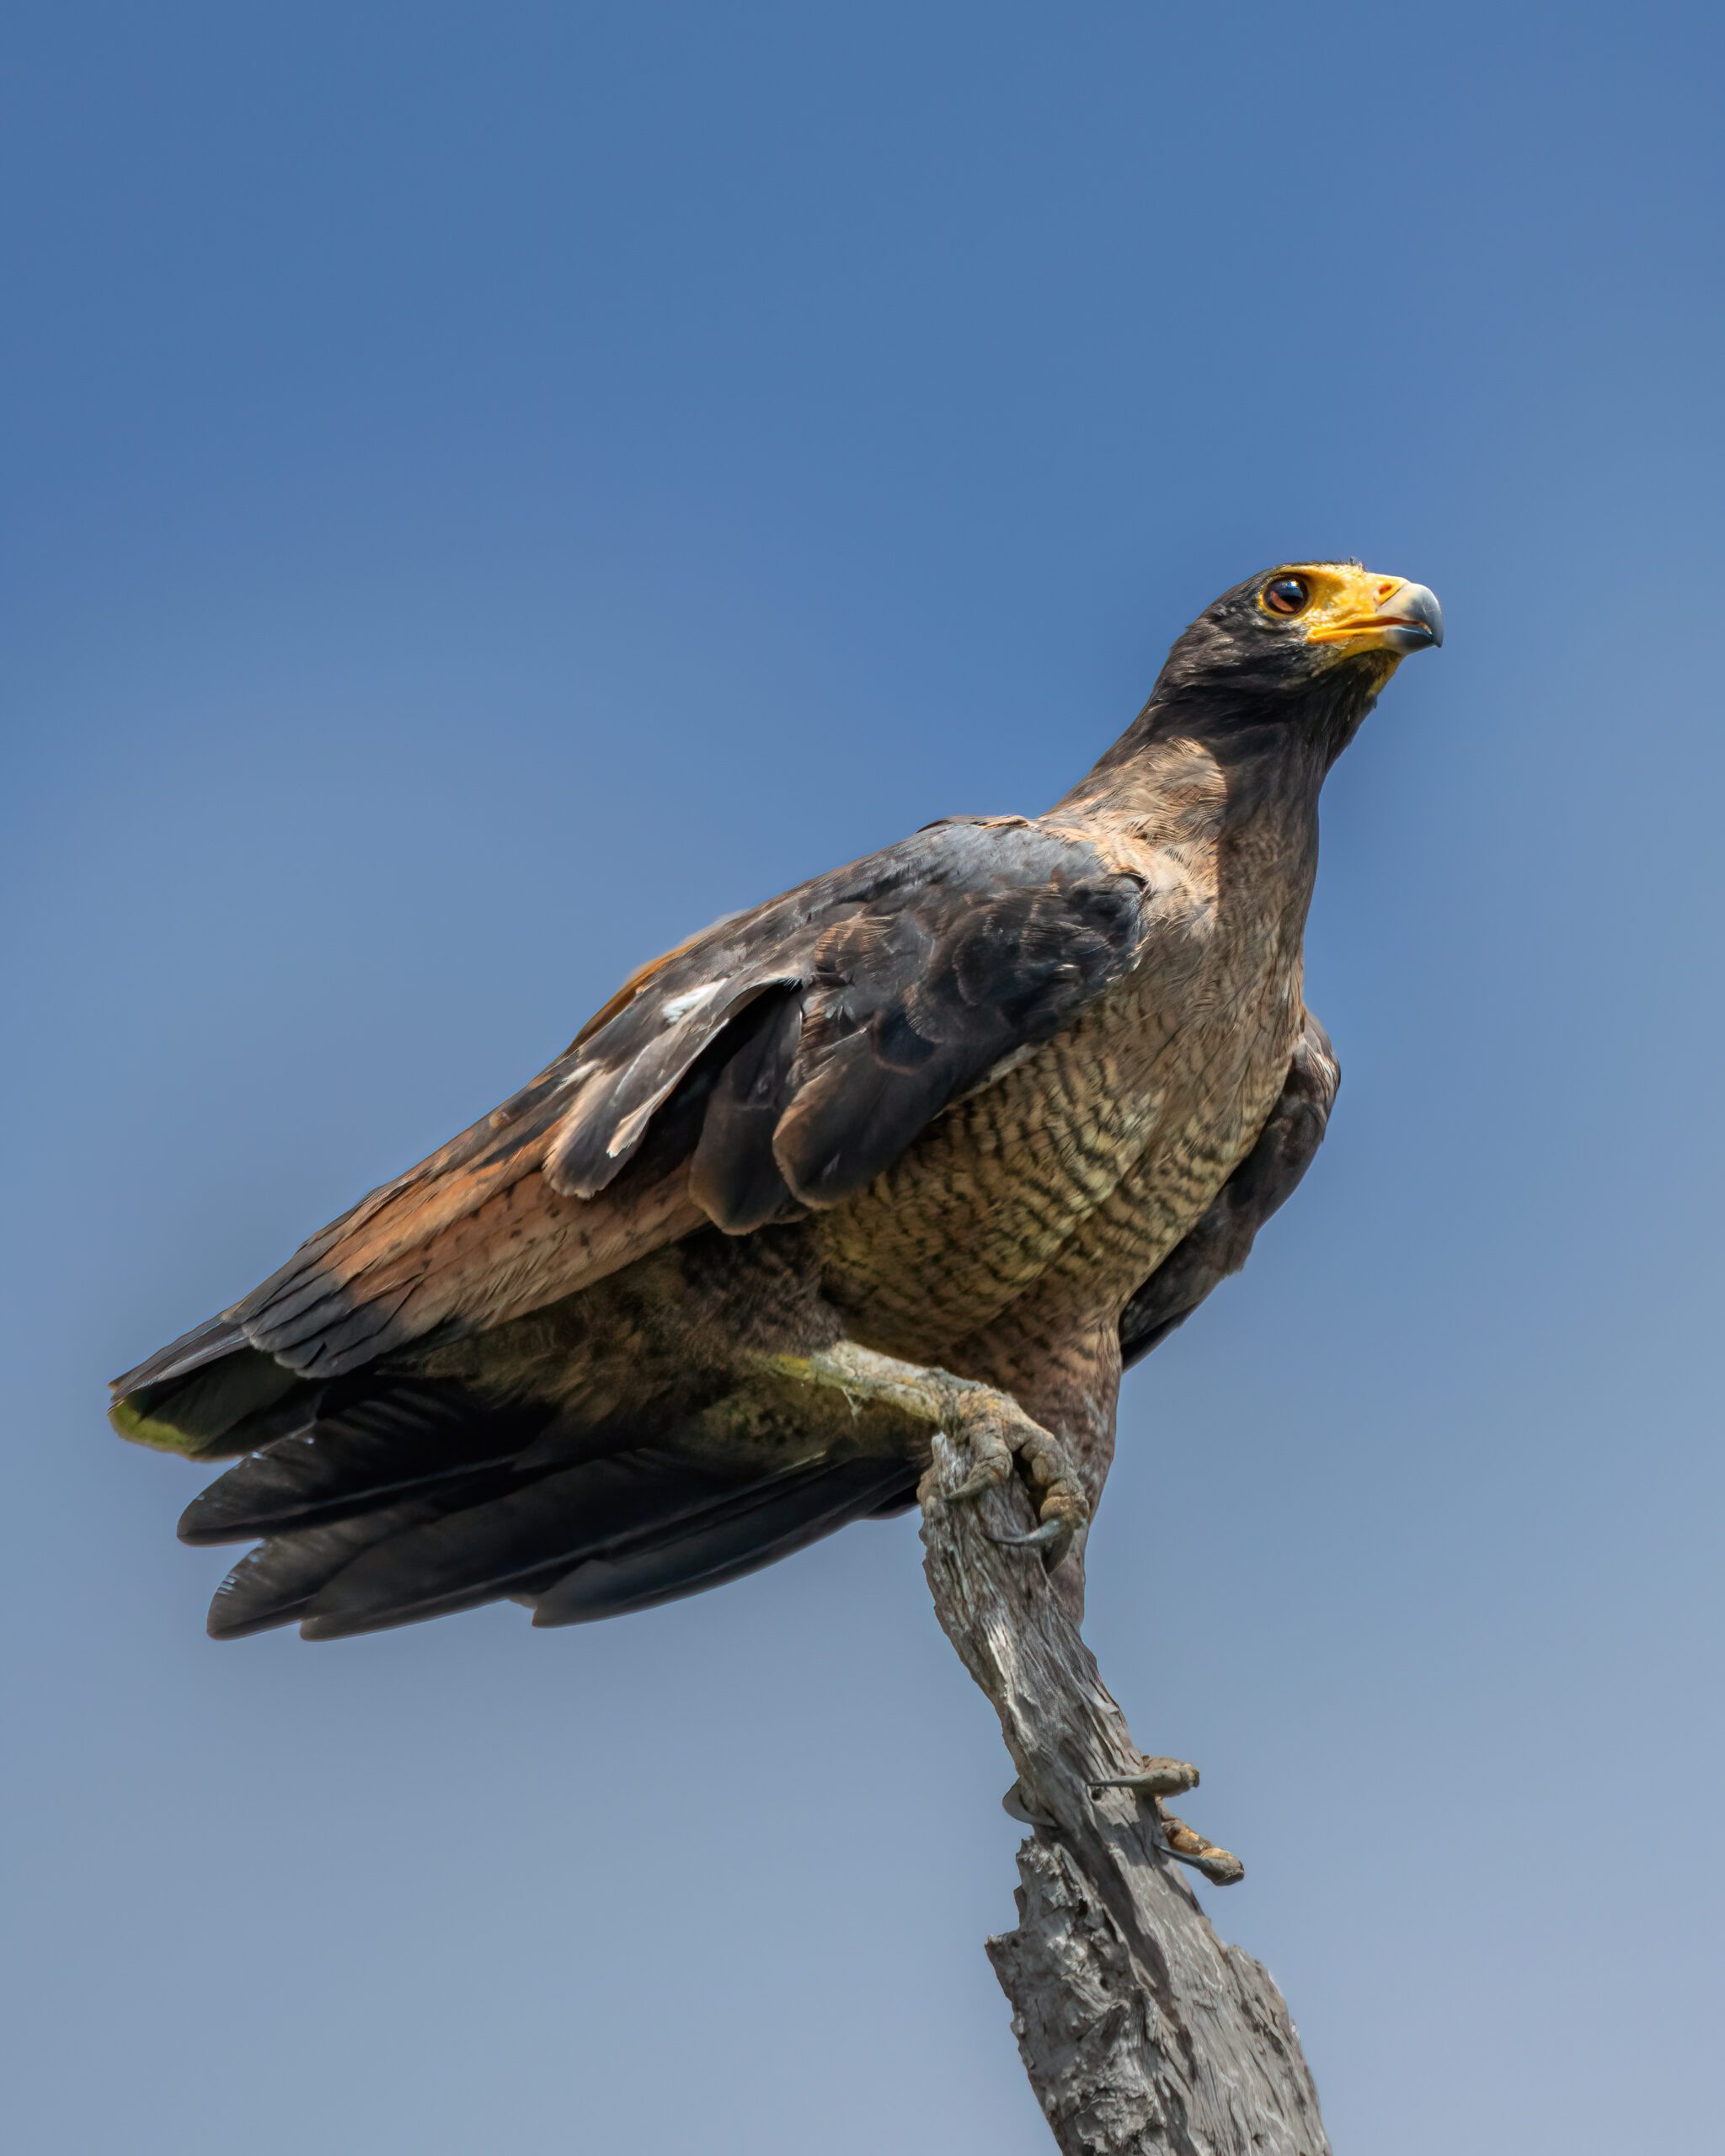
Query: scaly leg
[991,1424]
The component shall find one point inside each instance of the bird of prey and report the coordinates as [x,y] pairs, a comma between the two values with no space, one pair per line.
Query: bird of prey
[941,1141]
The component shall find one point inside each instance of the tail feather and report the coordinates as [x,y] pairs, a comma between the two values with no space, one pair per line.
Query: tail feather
[383,1497]
[357,1448]
[785,1517]
[611,1536]
[276,1583]
[517,1544]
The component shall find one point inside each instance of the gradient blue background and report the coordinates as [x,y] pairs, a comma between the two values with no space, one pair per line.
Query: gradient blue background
[490,489]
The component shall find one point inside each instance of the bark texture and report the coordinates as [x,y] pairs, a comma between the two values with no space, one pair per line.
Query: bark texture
[1141,2031]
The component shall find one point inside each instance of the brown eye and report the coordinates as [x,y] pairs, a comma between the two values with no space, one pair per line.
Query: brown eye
[1287,595]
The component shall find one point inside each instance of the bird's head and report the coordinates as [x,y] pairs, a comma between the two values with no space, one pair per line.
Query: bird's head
[1284,666]
[1294,627]
[1312,639]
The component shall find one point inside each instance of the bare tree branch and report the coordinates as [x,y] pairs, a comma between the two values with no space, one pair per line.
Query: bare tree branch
[1141,2031]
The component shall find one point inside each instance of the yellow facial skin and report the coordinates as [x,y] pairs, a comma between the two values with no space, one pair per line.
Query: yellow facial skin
[1354,610]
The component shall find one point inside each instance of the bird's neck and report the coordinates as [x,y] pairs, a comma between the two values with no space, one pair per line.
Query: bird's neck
[1236,769]
[1236,819]
[1177,789]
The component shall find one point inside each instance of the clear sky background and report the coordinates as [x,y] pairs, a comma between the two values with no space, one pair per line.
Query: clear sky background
[490,489]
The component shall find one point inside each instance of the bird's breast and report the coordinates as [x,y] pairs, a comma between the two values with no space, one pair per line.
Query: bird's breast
[1068,1176]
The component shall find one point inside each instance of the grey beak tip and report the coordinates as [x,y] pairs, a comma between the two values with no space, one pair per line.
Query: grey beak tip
[1423,604]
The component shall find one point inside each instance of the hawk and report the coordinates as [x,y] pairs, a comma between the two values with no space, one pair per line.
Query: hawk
[943,1140]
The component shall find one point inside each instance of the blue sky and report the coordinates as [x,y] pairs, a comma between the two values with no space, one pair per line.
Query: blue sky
[488,490]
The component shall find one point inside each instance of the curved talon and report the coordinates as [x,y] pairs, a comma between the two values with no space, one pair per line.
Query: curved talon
[1053,1537]
[988,1475]
[1016,1806]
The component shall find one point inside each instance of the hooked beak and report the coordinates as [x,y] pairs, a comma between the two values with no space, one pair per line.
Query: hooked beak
[1408,618]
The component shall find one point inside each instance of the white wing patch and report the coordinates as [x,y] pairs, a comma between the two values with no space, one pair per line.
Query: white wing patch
[692,999]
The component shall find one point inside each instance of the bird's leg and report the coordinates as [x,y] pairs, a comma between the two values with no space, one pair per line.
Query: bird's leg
[999,1432]
[991,1424]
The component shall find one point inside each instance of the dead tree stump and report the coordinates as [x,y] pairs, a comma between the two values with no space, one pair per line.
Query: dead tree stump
[1141,2031]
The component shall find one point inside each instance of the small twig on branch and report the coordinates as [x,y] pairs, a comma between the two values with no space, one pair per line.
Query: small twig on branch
[1141,2031]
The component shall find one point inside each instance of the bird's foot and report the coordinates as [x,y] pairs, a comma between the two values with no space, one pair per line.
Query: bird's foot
[991,1424]
[1160,1778]
[1001,1435]
[1156,1779]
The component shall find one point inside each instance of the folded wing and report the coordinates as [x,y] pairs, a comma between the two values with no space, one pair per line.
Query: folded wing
[778,1061]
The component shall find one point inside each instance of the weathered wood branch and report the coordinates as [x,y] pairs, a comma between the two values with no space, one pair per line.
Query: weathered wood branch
[1141,2031]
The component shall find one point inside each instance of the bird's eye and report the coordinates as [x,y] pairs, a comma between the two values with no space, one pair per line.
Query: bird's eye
[1286,594]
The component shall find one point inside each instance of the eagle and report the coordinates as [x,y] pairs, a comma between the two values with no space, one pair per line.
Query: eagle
[943,1141]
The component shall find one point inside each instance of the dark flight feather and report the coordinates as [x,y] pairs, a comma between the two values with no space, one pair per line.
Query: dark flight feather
[733,1174]
[276,1583]
[707,1551]
[523,1542]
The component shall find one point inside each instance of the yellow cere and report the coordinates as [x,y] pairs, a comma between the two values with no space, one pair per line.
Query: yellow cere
[1347,604]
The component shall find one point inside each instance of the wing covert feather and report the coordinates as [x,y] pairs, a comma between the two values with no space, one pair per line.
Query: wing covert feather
[916,972]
